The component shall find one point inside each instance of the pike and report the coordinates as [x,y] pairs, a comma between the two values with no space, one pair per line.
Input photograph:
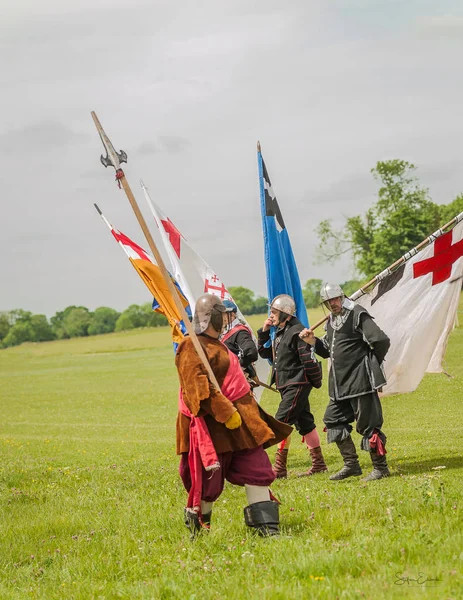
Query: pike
[114,159]
[264,385]
[370,285]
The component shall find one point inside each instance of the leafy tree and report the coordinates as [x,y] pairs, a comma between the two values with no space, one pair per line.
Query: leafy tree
[139,316]
[103,320]
[77,321]
[311,292]
[26,327]
[153,318]
[58,320]
[401,218]
[448,211]
[18,315]
[41,330]
[132,317]
[260,305]
[244,298]
[5,324]
[20,332]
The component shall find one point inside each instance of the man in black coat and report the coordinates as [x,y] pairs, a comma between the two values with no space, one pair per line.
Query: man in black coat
[239,339]
[356,347]
[295,372]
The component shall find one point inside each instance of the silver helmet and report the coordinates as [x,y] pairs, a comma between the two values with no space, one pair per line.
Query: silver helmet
[208,309]
[284,303]
[329,291]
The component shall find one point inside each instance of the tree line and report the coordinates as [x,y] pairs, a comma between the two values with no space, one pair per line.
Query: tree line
[18,326]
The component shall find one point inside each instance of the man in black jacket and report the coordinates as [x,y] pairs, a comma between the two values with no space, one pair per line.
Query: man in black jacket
[356,347]
[295,372]
[239,339]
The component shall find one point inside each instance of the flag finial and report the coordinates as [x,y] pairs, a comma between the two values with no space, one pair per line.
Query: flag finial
[258,146]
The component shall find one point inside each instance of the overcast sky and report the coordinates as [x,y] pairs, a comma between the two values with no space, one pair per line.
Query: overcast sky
[186,88]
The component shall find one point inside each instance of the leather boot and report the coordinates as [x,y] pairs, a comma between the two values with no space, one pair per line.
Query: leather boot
[351,466]
[380,468]
[318,463]
[263,517]
[279,468]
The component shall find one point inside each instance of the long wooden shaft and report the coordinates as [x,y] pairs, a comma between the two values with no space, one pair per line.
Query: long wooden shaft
[168,280]
[114,159]
[265,385]
[318,323]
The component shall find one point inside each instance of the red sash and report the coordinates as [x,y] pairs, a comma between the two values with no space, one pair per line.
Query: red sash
[234,330]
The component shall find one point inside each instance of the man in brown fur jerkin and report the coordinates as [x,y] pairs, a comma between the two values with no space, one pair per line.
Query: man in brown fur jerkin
[221,434]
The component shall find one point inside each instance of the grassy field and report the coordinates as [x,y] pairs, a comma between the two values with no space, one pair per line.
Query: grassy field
[91,502]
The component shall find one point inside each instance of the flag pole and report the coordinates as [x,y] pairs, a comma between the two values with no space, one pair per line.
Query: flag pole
[114,159]
[399,262]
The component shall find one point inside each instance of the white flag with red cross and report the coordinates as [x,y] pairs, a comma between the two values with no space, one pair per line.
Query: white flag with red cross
[416,306]
[193,274]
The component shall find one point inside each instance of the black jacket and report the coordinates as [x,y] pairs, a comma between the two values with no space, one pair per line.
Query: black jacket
[292,359]
[242,344]
[356,350]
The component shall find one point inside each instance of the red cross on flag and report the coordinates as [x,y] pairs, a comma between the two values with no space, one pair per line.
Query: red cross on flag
[416,306]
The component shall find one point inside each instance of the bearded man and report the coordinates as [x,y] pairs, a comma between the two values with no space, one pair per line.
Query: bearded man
[356,347]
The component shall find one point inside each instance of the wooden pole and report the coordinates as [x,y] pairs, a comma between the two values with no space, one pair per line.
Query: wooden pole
[141,220]
[264,385]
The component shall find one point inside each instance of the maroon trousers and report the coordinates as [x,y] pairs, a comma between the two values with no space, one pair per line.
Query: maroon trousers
[250,467]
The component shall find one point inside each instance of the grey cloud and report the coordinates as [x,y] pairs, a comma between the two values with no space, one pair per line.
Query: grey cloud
[44,135]
[172,144]
[147,148]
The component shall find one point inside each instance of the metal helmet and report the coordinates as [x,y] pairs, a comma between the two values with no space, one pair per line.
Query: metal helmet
[284,303]
[329,291]
[208,309]
[230,306]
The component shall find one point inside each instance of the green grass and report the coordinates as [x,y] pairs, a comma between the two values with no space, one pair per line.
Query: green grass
[91,502]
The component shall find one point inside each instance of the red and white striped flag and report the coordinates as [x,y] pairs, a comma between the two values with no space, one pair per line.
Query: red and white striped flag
[151,275]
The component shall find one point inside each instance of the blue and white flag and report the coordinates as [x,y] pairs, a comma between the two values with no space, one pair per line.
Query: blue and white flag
[282,275]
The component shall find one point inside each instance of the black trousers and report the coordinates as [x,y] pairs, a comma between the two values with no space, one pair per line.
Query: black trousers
[294,408]
[365,410]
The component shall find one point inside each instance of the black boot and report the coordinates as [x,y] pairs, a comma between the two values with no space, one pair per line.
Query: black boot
[380,468]
[195,523]
[207,520]
[351,466]
[264,517]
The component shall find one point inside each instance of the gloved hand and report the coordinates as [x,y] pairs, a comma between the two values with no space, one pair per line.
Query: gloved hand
[234,421]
